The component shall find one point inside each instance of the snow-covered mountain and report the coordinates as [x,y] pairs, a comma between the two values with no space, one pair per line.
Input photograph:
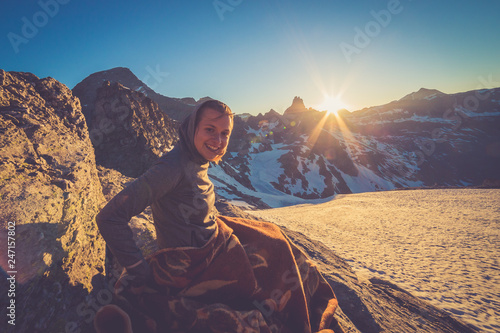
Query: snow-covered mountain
[427,138]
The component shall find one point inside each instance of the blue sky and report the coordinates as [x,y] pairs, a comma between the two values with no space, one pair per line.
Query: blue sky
[257,55]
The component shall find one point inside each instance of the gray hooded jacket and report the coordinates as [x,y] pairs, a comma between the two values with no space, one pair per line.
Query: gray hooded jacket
[180,194]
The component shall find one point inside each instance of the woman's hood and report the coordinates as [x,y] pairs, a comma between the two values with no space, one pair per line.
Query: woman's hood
[187,132]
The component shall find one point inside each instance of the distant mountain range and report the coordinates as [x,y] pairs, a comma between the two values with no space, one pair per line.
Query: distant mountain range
[426,138]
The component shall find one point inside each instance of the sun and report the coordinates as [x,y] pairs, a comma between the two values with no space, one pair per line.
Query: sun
[332,104]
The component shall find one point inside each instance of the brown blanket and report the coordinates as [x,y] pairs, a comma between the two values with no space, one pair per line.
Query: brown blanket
[248,278]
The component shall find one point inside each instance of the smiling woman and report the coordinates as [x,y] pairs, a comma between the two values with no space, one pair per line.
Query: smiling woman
[212,133]
[212,273]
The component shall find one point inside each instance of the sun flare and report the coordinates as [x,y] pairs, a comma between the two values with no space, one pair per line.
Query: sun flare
[332,104]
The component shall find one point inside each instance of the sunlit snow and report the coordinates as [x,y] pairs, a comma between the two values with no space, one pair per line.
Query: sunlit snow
[441,245]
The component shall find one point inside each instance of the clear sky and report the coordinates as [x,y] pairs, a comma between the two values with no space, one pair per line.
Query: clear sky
[258,54]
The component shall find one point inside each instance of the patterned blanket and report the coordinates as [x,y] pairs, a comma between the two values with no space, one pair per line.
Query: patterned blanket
[248,278]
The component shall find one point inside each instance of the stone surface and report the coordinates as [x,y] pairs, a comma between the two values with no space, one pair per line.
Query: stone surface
[129,131]
[50,188]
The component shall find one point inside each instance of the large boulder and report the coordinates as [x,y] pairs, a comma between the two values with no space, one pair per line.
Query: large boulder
[50,189]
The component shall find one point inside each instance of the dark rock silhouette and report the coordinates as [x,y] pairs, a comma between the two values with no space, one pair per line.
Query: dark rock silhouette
[297,106]
[422,93]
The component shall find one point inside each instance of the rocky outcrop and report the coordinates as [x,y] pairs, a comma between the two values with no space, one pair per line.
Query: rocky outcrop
[49,187]
[129,131]
[86,90]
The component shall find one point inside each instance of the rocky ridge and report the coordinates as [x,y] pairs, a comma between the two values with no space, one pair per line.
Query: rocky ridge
[297,106]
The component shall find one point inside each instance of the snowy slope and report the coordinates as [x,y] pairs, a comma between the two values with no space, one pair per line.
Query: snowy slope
[441,245]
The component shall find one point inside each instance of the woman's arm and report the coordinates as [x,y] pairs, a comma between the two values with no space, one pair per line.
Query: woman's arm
[113,219]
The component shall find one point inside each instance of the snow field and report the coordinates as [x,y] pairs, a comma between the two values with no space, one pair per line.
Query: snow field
[443,246]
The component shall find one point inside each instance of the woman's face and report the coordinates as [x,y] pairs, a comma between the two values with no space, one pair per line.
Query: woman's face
[212,134]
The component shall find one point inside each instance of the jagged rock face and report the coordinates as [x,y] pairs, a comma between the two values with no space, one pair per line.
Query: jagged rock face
[50,188]
[427,139]
[86,90]
[129,131]
[290,152]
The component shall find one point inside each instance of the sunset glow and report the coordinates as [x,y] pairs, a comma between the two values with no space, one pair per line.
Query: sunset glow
[332,104]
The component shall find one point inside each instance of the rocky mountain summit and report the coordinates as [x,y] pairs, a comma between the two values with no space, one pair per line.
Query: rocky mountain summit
[423,93]
[297,106]
[86,90]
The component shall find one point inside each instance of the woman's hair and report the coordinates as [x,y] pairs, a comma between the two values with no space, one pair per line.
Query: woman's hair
[218,106]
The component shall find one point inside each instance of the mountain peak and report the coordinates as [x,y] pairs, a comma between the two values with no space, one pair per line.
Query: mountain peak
[117,74]
[297,106]
[423,93]
[86,90]
[116,70]
[298,102]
